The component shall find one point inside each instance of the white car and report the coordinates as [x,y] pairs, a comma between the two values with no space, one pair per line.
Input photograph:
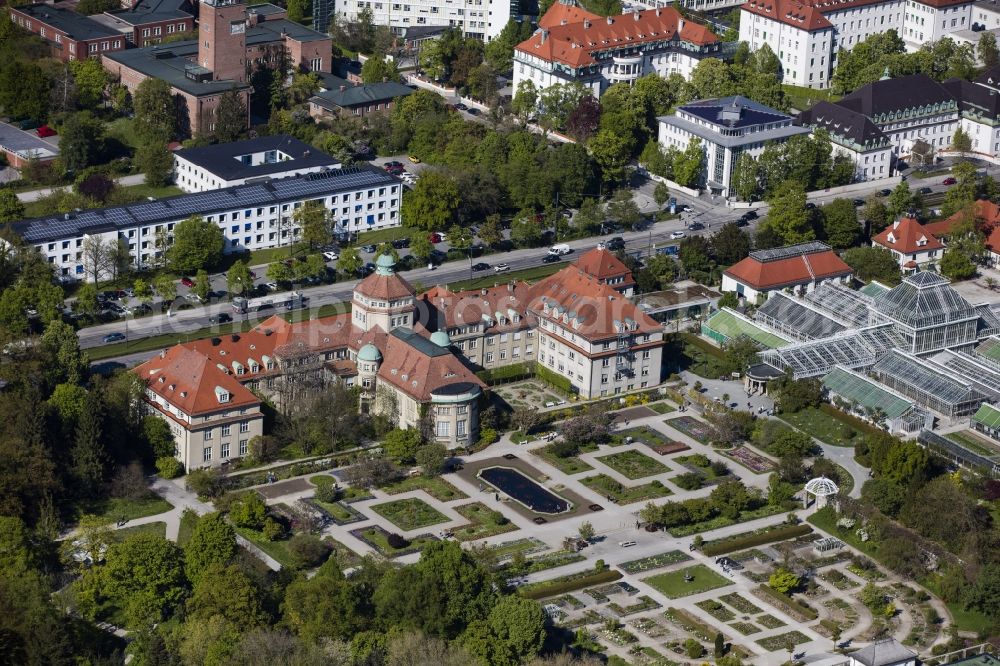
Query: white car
[677,234]
[331,256]
[500,268]
[271,286]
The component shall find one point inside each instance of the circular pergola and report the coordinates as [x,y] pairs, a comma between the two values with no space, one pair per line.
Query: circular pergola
[822,489]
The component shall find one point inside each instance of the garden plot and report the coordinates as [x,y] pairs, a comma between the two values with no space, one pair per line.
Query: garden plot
[687,581]
[692,427]
[409,514]
[654,562]
[755,462]
[633,465]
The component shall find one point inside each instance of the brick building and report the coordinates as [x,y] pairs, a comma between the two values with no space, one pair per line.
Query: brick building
[69,35]
[150,21]
[356,100]
[233,40]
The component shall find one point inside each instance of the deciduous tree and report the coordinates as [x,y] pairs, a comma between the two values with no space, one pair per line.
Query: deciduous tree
[197,244]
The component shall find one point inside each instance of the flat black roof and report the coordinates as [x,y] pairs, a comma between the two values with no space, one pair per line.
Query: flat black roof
[735,111]
[150,11]
[222,159]
[76,26]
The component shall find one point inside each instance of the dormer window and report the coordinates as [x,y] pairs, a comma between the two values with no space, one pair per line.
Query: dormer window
[221,394]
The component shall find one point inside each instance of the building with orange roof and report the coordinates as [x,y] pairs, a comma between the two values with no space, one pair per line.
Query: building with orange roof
[602,264]
[806,35]
[986,216]
[800,268]
[914,247]
[572,45]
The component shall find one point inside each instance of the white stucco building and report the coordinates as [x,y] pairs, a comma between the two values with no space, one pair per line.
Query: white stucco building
[482,19]
[806,35]
[572,44]
[236,163]
[727,128]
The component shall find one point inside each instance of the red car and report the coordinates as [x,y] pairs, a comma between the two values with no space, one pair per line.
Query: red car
[45,131]
[949,181]
[434,237]
[187,282]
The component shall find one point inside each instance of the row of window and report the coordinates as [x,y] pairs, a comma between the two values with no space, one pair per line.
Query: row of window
[171,28]
[226,429]
[224,451]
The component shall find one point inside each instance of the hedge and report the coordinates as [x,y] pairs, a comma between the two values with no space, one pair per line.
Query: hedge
[508,373]
[551,378]
[790,603]
[749,540]
[557,586]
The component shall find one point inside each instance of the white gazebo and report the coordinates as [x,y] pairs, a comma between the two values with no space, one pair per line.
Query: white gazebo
[822,489]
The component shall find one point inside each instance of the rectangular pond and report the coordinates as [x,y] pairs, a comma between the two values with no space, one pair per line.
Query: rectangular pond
[522,489]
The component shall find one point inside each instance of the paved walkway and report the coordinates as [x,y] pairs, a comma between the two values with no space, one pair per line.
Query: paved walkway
[35,195]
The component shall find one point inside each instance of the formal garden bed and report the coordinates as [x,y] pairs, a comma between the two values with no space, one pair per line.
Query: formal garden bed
[409,514]
[644,603]
[690,624]
[633,465]
[752,460]
[721,521]
[740,603]
[703,465]
[639,435]
[654,562]
[552,560]
[345,494]
[338,512]
[568,583]
[525,546]
[670,448]
[391,545]
[745,628]
[769,621]
[662,407]
[565,464]
[435,486]
[697,430]
[483,522]
[780,642]
[346,557]
[675,584]
[755,538]
[716,610]
[619,493]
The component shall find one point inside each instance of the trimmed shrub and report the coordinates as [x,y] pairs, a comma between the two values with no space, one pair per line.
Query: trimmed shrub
[557,586]
[742,542]
[273,530]
[396,541]
[169,467]
[307,550]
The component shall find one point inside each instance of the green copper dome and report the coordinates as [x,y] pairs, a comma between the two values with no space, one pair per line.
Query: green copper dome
[441,339]
[369,353]
[384,264]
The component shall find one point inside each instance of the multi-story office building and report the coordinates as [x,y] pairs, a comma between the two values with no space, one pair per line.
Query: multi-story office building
[71,36]
[806,35]
[252,217]
[150,22]
[482,19]
[726,128]
[572,44]
[239,162]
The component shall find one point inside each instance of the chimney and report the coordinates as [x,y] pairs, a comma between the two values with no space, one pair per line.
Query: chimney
[545,35]
[680,25]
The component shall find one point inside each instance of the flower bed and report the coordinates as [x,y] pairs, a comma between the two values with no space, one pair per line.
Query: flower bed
[756,463]
[339,513]
[643,604]
[671,447]
[378,538]
[692,427]
[633,465]
[740,603]
[435,486]
[780,642]
[563,584]
[483,522]
[786,603]
[770,621]
[745,628]
[654,561]
[716,610]
[409,514]
[621,494]
[755,538]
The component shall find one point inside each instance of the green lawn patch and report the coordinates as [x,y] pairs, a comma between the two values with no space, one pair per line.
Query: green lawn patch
[622,494]
[721,521]
[824,425]
[188,520]
[528,275]
[755,538]
[661,407]
[740,603]
[654,561]
[483,522]
[802,98]
[339,513]
[673,583]
[778,643]
[378,539]
[787,604]
[159,528]
[276,549]
[716,610]
[385,235]
[409,514]
[633,465]
[113,509]
[435,486]
[563,584]
[973,442]
[567,465]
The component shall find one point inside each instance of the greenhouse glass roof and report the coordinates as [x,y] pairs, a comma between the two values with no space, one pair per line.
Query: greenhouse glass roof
[924,299]
[791,317]
[989,348]
[731,325]
[922,378]
[851,349]
[965,366]
[873,289]
[842,303]
[858,389]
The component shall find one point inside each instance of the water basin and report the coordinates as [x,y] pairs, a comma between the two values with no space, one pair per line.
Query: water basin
[522,489]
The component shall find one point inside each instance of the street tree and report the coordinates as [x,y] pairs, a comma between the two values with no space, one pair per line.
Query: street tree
[900,200]
[311,218]
[202,285]
[165,287]
[350,261]
[746,179]
[876,214]
[491,231]
[661,194]
[730,244]
[279,271]
[622,209]
[197,244]
[689,163]
[238,279]
[432,203]
[787,216]
[422,248]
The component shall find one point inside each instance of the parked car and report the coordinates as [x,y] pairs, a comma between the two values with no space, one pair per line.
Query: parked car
[368,248]
[434,237]
[500,268]
[859,202]
[113,337]
[271,286]
[950,180]
[677,234]
[885,192]
[45,131]
[696,226]
[187,282]
[461,107]
[481,266]
[924,190]
[221,318]
[472,111]
[413,158]
[401,243]
[551,258]
[331,256]
[750,215]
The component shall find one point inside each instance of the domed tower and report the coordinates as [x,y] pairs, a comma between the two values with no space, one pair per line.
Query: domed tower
[368,360]
[384,299]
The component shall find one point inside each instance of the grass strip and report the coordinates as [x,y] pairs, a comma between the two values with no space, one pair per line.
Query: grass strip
[569,583]
[751,539]
[788,604]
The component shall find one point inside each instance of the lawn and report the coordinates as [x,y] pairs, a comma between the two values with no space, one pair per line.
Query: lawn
[722,521]
[378,539]
[139,192]
[661,407]
[159,528]
[704,359]
[114,509]
[633,465]
[654,561]
[802,98]
[483,522]
[384,235]
[272,254]
[673,585]
[276,549]
[693,461]
[409,514]
[188,520]
[338,512]
[824,426]
[435,486]
[528,275]
[622,494]
[567,465]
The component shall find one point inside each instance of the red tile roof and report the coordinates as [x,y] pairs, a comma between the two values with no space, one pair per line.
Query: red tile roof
[798,269]
[413,370]
[188,380]
[810,14]
[907,236]
[573,296]
[604,265]
[561,13]
[575,43]
[987,219]
[448,309]
[391,286]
